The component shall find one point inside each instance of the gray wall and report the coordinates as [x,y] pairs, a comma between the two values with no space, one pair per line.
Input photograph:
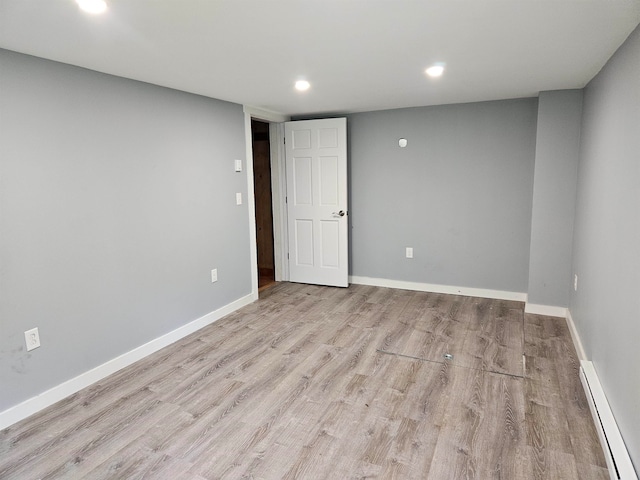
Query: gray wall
[460,194]
[117,198]
[606,249]
[554,193]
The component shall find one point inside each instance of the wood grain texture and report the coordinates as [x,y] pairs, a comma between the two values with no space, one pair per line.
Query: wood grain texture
[315,382]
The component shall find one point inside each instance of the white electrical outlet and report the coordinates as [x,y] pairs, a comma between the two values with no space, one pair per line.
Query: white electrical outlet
[238,165]
[214,275]
[238,198]
[32,339]
[575,282]
[409,252]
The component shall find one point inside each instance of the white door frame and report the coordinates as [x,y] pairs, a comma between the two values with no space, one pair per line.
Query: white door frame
[279,202]
[278,192]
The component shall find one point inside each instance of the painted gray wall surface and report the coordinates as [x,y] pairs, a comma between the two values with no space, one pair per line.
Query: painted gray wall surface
[554,194]
[460,194]
[606,252]
[117,198]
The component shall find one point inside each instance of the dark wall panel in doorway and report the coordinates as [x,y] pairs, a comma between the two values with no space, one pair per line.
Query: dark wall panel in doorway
[262,184]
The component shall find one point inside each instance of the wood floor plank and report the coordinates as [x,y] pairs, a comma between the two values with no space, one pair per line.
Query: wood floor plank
[319,382]
[550,465]
[100,442]
[137,462]
[553,367]
[494,343]
[488,408]
[309,461]
[479,333]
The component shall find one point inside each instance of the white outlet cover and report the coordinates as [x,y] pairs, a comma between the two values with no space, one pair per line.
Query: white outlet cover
[238,198]
[409,252]
[214,275]
[238,165]
[32,339]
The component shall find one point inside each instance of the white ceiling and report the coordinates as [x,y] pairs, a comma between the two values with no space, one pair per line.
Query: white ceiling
[359,55]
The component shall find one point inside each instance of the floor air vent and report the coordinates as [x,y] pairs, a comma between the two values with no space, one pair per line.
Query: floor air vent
[615,451]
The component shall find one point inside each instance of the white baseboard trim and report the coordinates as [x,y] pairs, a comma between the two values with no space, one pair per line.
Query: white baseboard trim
[546,310]
[615,451]
[434,288]
[577,343]
[35,404]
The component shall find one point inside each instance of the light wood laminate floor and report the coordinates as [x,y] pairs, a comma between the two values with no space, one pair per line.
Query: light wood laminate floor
[314,382]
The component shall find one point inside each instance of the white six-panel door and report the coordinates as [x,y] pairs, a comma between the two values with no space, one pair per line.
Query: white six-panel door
[316,165]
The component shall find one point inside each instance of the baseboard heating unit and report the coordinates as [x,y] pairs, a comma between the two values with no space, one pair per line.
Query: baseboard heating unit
[615,451]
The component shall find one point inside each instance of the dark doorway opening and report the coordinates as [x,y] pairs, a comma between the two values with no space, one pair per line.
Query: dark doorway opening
[264,211]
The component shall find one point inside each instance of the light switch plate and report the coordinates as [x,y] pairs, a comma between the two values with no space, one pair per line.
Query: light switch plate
[238,198]
[238,165]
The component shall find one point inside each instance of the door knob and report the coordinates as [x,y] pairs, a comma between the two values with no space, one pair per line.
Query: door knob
[341,213]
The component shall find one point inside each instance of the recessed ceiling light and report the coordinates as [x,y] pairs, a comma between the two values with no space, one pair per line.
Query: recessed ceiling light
[302,85]
[92,6]
[435,70]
